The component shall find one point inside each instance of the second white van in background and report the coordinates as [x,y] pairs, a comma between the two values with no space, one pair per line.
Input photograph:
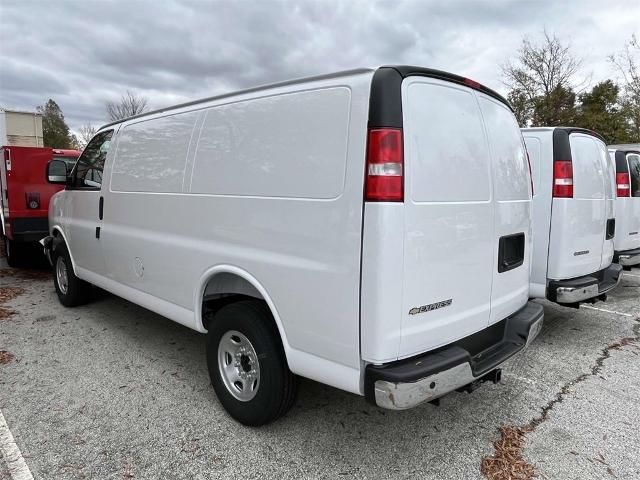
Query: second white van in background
[573,215]
[627,239]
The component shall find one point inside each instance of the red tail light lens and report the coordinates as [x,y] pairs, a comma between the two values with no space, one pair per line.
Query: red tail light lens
[623,184]
[384,166]
[472,83]
[562,179]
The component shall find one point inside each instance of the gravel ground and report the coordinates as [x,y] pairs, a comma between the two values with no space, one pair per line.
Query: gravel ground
[110,390]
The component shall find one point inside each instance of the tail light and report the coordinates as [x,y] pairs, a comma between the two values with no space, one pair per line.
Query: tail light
[562,179]
[385,161]
[33,200]
[623,184]
[472,83]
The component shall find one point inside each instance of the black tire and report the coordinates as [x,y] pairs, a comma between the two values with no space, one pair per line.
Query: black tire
[14,252]
[276,390]
[77,291]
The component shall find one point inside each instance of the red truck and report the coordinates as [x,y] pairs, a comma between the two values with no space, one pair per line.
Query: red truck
[25,194]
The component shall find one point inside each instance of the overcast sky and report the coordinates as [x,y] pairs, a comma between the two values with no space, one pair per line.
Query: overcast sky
[84,53]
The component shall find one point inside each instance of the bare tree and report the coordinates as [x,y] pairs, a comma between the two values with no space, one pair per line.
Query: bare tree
[628,63]
[541,79]
[85,134]
[130,104]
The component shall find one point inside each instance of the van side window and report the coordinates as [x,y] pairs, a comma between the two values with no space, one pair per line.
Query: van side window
[634,174]
[88,172]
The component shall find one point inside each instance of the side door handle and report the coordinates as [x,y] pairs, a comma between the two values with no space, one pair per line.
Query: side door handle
[101,208]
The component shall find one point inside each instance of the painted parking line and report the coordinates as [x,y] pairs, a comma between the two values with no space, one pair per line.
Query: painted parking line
[606,311]
[631,275]
[18,468]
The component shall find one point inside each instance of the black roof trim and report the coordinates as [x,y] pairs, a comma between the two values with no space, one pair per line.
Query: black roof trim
[408,70]
[621,162]
[344,73]
[571,130]
[561,145]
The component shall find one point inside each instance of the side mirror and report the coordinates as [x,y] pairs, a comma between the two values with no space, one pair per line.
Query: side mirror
[57,172]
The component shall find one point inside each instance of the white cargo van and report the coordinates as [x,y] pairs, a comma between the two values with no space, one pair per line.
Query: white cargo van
[573,215]
[627,239]
[370,230]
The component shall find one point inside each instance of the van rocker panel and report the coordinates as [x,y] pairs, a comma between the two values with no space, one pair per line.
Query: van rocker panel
[406,383]
[579,289]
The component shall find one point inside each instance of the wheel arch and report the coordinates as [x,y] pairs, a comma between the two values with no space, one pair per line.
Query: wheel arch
[57,233]
[229,279]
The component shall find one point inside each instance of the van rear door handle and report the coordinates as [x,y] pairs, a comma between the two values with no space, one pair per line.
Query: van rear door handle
[101,208]
[510,252]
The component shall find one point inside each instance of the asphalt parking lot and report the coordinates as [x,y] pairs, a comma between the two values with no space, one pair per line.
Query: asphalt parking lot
[110,390]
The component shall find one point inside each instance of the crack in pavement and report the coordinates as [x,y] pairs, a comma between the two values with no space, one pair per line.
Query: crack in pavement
[508,463]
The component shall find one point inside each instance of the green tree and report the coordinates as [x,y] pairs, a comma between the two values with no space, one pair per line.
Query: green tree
[600,110]
[54,129]
[556,108]
[541,81]
[522,106]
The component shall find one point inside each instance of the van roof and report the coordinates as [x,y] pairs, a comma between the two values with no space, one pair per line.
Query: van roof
[626,147]
[343,73]
[624,151]
[403,70]
[566,129]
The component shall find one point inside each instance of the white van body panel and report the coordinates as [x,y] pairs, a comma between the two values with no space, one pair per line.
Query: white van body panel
[628,208]
[265,187]
[569,233]
[443,240]
[176,218]
[540,147]
[512,193]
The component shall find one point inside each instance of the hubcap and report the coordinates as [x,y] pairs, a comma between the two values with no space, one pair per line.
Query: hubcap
[61,275]
[238,364]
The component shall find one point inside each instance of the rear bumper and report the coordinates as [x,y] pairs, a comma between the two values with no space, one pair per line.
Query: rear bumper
[576,290]
[472,360]
[28,229]
[627,258]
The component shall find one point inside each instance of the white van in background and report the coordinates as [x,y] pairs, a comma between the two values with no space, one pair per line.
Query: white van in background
[627,240]
[573,215]
[318,227]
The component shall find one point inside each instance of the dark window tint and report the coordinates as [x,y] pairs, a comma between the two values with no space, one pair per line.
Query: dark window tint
[70,161]
[634,174]
[88,171]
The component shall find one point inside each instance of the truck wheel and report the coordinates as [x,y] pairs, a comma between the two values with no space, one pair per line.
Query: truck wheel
[247,365]
[14,253]
[70,289]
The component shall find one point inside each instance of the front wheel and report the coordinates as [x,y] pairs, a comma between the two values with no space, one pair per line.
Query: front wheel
[247,365]
[71,290]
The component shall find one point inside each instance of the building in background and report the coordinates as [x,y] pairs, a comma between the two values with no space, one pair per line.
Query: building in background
[20,129]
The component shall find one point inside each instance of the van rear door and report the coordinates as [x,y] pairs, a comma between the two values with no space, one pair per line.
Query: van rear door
[454,215]
[578,223]
[628,203]
[512,200]
[609,180]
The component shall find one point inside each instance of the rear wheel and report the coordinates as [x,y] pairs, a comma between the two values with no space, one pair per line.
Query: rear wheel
[247,365]
[70,289]
[13,251]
